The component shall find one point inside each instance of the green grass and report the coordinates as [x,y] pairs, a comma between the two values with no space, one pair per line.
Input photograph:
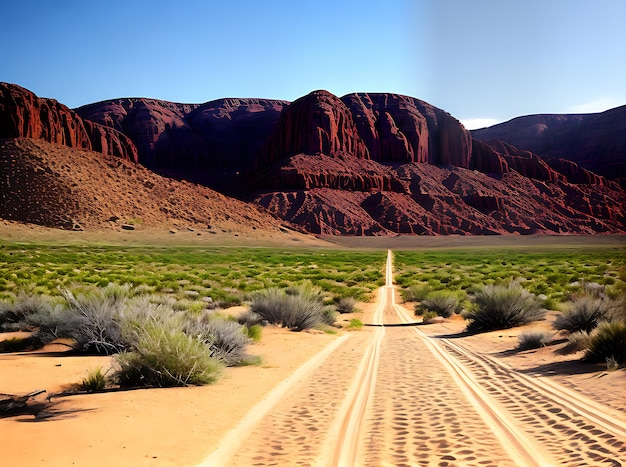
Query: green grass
[226,274]
[555,272]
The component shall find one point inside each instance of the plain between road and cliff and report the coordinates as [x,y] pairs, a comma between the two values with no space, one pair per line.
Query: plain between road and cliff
[392,395]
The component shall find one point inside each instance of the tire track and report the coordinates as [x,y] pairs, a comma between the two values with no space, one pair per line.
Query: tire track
[573,429]
[533,415]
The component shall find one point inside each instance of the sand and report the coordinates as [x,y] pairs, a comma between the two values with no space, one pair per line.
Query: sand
[418,411]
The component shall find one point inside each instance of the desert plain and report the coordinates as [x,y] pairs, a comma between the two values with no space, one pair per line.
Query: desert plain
[390,393]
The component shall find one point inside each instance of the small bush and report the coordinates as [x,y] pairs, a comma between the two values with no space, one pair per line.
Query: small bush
[608,340]
[291,309]
[533,339]
[227,339]
[501,307]
[416,293]
[346,305]
[249,319]
[442,303]
[163,357]
[355,324]
[93,322]
[578,340]
[254,332]
[612,364]
[329,315]
[584,314]
[94,381]
[428,316]
[22,314]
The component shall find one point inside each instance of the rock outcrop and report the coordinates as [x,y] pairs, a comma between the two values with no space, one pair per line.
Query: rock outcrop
[23,114]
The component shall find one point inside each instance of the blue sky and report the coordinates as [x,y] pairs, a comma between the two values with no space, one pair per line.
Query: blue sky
[477,59]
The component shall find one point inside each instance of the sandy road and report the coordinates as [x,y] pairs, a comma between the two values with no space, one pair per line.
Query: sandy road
[391,395]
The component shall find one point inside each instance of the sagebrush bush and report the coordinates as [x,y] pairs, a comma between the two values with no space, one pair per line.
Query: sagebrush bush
[346,305]
[533,339]
[607,341]
[329,315]
[502,307]
[416,293]
[162,356]
[584,314]
[442,303]
[249,319]
[24,312]
[92,321]
[578,340]
[294,309]
[227,339]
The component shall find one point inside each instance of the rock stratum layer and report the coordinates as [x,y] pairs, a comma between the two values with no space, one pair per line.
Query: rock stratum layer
[362,164]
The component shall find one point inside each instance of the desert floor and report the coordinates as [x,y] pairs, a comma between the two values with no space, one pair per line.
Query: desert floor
[397,394]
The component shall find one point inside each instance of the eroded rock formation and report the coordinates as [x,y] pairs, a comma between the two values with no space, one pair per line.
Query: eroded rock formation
[23,114]
[362,164]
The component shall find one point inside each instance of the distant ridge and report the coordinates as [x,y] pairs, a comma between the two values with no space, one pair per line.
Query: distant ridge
[362,164]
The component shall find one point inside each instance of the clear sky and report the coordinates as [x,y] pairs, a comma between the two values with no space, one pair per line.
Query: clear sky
[476,59]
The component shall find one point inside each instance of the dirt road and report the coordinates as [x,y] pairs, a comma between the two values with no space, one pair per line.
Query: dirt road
[391,395]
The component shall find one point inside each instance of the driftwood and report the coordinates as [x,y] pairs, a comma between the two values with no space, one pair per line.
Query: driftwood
[17,405]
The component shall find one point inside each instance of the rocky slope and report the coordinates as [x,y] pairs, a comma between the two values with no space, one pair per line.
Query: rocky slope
[596,142]
[56,186]
[362,164]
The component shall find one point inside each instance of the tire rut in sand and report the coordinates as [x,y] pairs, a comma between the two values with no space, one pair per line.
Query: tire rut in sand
[569,430]
[294,432]
[419,417]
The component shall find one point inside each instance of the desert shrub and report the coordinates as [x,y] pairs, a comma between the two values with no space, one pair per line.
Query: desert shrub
[442,303]
[289,309]
[24,312]
[593,289]
[249,319]
[502,307]
[427,316]
[584,314]
[416,293]
[227,339]
[612,364]
[307,290]
[578,340]
[608,340]
[533,339]
[94,381]
[121,292]
[92,321]
[163,355]
[346,305]
[355,324]
[329,315]
[254,332]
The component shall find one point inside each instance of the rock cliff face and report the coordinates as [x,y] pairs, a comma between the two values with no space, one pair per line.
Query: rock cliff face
[596,142]
[362,164]
[23,114]
[226,135]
